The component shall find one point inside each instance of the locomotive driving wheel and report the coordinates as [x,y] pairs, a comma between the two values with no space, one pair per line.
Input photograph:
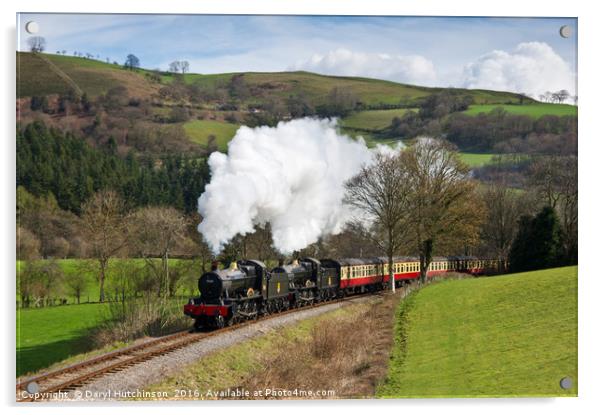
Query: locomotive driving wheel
[220,322]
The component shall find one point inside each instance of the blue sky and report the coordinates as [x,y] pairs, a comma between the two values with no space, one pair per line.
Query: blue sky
[425,50]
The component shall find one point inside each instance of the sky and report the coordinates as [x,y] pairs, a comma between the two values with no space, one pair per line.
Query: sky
[515,54]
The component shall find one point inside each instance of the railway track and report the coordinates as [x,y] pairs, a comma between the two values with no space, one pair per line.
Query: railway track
[74,376]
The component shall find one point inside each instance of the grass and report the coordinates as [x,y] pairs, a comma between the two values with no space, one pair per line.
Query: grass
[476,159]
[89,269]
[34,78]
[513,335]
[51,334]
[372,120]
[94,77]
[199,131]
[534,110]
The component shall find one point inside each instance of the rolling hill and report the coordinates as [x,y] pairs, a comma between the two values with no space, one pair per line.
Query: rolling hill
[211,102]
[35,76]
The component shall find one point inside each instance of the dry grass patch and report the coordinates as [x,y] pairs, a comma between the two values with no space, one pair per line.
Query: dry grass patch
[347,354]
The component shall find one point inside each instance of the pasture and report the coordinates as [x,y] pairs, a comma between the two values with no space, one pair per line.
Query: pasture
[513,335]
[476,159]
[534,110]
[199,131]
[372,120]
[117,266]
[51,334]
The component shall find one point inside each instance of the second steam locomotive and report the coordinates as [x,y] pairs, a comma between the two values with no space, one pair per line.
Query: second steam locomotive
[248,289]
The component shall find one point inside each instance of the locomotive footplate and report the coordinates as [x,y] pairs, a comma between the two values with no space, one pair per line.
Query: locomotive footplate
[194,310]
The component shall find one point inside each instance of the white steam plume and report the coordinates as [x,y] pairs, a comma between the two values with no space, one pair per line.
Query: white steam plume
[291,176]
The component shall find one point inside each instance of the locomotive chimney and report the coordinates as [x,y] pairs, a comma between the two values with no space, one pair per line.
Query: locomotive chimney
[214,265]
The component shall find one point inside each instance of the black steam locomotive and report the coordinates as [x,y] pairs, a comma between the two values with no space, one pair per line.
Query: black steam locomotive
[248,289]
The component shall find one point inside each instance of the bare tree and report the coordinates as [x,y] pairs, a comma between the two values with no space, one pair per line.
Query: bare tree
[503,211]
[174,66]
[103,224]
[37,44]
[155,233]
[76,284]
[259,243]
[28,245]
[379,191]
[554,178]
[184,66]
[445,210]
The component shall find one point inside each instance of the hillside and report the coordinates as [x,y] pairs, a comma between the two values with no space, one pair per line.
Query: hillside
[205,111]
[35,77]
[514,335]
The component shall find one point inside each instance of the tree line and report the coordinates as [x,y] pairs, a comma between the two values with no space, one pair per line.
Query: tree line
[440,115]
[50,161]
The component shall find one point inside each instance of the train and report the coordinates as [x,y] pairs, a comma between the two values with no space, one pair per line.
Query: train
[247,289]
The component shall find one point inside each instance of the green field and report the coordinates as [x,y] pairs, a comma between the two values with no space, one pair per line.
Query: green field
[199,131]
[534,110]
[51,334]
[89,269]
[372,120]
[513,335]
[476,159]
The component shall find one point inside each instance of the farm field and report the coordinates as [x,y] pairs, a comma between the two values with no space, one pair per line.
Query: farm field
[87,267]
[372,120]
[514,335]
[199,131]
[534,110]
[51,334]
[476,159]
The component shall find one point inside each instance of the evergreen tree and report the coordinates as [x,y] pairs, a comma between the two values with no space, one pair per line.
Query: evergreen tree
[538,243]
[50,161]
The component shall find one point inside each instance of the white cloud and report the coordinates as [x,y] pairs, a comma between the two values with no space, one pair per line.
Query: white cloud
[532,67]
[411,69]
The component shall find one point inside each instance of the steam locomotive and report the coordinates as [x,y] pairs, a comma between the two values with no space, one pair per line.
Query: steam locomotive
[247,289]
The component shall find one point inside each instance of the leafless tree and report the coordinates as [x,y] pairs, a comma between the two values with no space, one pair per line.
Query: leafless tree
[174,66]
[155,233]
[503,211]
[560,96]
[38,280]
[37,44]
[76,284]
[184,66]
[28,245]
[380,192]
[554,178]
[104,226]
[444,208]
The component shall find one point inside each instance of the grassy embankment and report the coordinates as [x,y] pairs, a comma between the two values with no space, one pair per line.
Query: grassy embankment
[343,351]
[513,335]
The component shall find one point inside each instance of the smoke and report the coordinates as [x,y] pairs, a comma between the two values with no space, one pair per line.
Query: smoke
[291,176]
